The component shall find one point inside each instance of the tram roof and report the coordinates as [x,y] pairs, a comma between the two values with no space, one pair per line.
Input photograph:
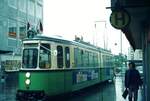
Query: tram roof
[66,41]
[47,38]
[88,45]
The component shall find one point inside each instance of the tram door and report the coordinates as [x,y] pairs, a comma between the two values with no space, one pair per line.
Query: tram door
[67,57]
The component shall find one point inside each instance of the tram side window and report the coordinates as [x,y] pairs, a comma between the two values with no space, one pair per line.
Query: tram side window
[79,59]
[59,56]
[100,64]
[75,56]
[104,61]
[91,59]
[67,57]
[107,61]
[111,61]
[86,59]
[44,61]
[94,64]
[96,60]
[82,55]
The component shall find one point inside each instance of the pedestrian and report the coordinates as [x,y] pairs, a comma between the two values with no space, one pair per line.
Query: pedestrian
[132,81]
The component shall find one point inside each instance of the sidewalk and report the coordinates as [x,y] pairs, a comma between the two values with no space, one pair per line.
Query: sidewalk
[8,87]
[119,86]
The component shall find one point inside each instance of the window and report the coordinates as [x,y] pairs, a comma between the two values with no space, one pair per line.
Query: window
[22,30]
[67,57]
[30,58]
[79,61]
[96,60]
[75,56]
[90,59]
[22,5]
[44,59]
[86,59]
[39,11]
[12,28]
[79,55]
[31,7]
[82,55]
[13,3]
[59,56]
[105,61]
[109,61]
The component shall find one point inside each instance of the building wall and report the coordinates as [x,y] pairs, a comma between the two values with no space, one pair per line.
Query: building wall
[14,17]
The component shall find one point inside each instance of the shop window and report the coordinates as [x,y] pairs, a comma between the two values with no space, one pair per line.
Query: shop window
[12,28]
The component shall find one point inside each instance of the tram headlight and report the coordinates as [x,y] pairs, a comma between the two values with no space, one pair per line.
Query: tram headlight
[28,75]
[27,81]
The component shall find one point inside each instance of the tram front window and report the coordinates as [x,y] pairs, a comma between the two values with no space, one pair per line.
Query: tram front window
[30,58]
[44,59]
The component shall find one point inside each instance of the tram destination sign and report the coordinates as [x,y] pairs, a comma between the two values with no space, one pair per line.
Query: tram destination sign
[119,18]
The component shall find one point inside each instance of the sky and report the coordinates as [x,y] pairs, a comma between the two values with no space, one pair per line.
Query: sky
[87,18]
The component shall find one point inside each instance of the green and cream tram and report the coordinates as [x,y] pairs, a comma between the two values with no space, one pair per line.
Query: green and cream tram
[53,66]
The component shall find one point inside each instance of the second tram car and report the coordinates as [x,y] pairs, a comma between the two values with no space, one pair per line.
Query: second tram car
[53,66]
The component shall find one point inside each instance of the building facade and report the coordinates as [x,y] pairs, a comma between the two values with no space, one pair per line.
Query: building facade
[15,16]
[138,54]
[134,55]
[130,53]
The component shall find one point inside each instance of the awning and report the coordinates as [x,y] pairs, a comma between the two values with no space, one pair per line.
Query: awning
[129,36]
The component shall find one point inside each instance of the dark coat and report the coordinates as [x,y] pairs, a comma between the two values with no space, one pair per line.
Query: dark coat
[132,79]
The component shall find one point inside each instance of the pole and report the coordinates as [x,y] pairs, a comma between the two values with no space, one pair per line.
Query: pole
[121,56]
[120,42]
[102,21]
[94,33]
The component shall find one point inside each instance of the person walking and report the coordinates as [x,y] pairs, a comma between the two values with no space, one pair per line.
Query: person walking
[132,81]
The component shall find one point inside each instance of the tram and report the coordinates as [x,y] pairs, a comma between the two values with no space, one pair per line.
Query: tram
[53,66]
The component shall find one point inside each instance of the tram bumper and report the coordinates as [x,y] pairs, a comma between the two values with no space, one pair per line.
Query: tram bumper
[29,95]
